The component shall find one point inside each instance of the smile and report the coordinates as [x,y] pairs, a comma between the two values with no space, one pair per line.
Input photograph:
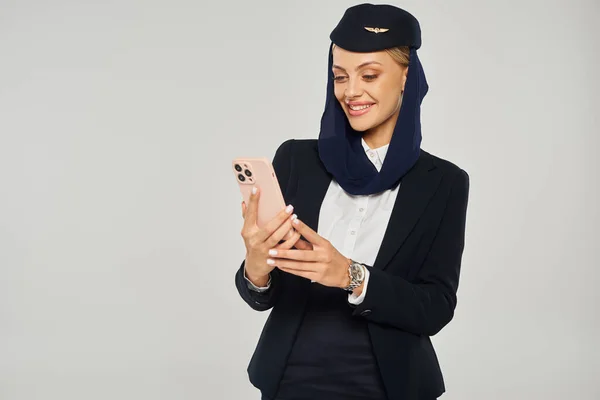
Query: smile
[356,110]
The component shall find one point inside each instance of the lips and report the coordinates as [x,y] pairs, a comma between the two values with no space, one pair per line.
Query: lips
[356,109]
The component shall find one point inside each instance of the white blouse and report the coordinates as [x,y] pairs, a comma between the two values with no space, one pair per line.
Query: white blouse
[355,224]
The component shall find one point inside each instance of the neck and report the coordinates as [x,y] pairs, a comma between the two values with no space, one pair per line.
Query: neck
[381,134]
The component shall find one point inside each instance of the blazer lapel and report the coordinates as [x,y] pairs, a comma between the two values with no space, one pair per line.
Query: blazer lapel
[416,189]
[313,183]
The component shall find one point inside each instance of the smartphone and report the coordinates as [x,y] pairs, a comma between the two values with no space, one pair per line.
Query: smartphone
[251,172]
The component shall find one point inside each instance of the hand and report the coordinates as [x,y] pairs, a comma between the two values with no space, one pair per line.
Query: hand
[318,261]
[258,241]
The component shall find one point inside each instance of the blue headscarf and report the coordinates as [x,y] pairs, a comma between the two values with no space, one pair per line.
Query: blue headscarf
[340,147]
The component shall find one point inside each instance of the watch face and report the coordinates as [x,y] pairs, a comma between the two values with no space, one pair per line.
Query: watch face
[356,272]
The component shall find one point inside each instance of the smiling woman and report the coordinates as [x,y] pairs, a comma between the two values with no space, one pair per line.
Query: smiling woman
[370,86]
[373,268]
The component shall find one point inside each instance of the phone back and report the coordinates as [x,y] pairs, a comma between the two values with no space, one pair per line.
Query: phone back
[250,172]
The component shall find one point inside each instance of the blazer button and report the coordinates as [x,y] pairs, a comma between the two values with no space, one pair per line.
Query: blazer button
[365,313]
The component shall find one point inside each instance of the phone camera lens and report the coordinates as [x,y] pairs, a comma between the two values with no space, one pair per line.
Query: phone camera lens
[238,168]
[241,177]
[248,173]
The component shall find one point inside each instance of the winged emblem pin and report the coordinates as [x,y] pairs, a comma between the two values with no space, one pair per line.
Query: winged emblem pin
[376,30]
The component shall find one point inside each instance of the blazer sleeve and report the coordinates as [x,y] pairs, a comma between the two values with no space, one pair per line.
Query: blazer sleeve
[263,301]
[425,306]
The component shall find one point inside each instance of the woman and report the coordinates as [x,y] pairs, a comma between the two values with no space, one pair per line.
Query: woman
[372,270]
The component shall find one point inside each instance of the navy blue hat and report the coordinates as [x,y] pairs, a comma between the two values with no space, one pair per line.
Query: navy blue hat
[393,27]
[370,28]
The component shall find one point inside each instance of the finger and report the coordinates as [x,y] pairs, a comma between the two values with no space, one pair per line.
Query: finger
[306,266]
[290,242]
[243,209]
[279,233]
[306,231]
[276,223]
[304,274]
[298,255]
[252,210]
[302,244]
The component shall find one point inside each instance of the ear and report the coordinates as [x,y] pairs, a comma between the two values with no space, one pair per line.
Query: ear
[404,77]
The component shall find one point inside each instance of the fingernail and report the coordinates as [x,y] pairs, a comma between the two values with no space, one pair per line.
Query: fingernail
[289,209]
[294,217]
[296,221]
[270,262]
[272,252]
[254,190]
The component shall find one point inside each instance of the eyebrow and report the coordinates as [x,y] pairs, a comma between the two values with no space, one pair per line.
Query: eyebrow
[357,68]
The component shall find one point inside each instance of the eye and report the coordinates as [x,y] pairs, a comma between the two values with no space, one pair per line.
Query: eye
[339,78]
[369,77]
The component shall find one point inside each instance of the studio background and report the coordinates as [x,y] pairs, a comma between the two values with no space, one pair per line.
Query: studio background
[120,217]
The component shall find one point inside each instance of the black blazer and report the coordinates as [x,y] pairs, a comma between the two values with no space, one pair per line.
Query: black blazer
[413,282]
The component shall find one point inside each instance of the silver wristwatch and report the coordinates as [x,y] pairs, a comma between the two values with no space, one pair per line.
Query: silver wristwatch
[356,272]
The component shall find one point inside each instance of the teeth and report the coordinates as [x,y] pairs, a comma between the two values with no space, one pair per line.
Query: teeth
[358,108]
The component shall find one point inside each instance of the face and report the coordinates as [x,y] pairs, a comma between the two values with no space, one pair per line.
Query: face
[368,86]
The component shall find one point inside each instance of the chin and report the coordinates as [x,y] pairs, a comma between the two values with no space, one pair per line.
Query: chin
[360,126]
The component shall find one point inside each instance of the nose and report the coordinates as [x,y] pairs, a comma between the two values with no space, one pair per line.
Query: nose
[353,88]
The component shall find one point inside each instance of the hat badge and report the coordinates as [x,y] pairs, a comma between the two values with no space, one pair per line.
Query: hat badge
[376,30]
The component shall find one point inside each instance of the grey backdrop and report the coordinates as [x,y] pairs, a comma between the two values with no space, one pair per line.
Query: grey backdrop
[120,219]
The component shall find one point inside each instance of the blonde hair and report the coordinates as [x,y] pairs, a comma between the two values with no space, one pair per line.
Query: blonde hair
[400,54]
